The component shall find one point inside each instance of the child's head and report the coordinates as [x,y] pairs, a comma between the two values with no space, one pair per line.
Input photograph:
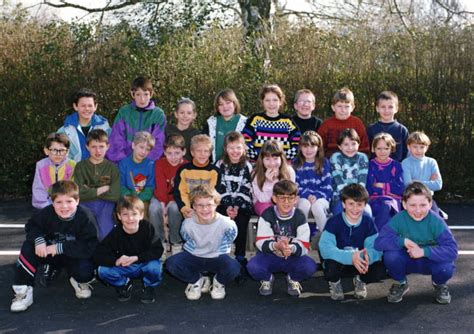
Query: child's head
[142,91]
[130,210]
[348,142]
[201,148]
[285,196]
[56,147]
[97,144]
[418,143]
[304,103]
[204,200]
[387,106]
[417,200]
[85,104]
[185,113]
[271,157]
[383,145]
[343,103]
[175,149]
[143,143]
[272,99]
[226,104]
[310,149]
[354,197]
[65,198]
[234,148]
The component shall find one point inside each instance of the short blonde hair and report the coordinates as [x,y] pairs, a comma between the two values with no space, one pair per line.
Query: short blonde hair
[418,137]
[201,139]
[387,138]
[204,191]
[144,137]
[343,95]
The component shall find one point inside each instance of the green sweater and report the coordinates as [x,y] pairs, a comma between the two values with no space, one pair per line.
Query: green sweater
[89,177]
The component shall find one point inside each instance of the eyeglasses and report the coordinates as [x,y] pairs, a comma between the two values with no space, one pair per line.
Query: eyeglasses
[305,102]
[286,198]
[58,152]
[204,206]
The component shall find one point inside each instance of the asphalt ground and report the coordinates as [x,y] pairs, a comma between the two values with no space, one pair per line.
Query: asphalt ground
[57,310]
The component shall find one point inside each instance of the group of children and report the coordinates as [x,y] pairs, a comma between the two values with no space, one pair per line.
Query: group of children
[172,187]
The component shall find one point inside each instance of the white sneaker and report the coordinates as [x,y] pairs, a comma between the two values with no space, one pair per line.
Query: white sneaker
[206,284]
[83,290]
[217,289]
[23,298]
[176,248]
[193,290]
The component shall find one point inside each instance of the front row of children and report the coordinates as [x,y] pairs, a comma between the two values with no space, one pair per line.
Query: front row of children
[64,235]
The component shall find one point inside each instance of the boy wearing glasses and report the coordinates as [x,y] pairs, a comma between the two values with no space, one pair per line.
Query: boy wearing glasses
[55,167]
[208,237]
[282,242]
[304,106]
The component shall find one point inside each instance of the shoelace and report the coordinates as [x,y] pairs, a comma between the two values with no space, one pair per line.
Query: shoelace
[296,286]
[266,284]
[19,297]
[85,286]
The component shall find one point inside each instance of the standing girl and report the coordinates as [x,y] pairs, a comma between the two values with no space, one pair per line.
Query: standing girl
[385,180]
[227,118]
[313,176]
[271,167]
[236,189]
[271,124]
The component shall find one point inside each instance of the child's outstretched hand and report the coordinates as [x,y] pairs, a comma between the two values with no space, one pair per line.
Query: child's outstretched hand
[360,260]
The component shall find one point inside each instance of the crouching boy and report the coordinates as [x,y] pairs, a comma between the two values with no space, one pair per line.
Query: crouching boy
[418,241]
[208,237]
[62,235]
[130,251]
[282,242]
[347,245]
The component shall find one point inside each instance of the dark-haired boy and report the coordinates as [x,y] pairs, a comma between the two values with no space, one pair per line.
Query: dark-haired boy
[347,245]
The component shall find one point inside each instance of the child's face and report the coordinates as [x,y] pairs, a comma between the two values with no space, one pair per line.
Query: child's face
[285,203]
[205,208]
[175,155]
[235,150]
[185,115]
[226,108]
[201,152]
[140,151]
[353,209]
[56,152]
[342,110]
[387,110]
[65,205]
[305,105]
[271,162]
[382,151]
[309,152]
[271,104]
[97,150]
[86,108]
[141,97]
[417,206]
[417,150]
[349,147]
[130,219]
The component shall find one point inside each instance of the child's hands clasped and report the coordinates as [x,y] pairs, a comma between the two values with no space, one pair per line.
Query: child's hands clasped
[282,246]
[125,260]
[413,250]
[41,251]
[360,260]
[232,211]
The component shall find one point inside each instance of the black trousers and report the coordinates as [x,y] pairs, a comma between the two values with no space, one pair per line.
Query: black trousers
[334,271]
[242,222]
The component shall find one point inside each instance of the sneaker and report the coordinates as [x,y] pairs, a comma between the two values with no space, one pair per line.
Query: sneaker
[217,289]
[397,291]
[48,275]
[206,284]
[148,295]
[335,288]
[442,293]
[360,288]
[193,290]
[83,290]
[124,292]
[266,287]
[23,298]
[176,248]
[294,287]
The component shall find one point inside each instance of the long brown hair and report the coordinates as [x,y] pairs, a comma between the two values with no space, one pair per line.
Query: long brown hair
[271,148]
[311,138]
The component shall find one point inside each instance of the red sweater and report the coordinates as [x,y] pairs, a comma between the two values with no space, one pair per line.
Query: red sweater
[332,127]
[164,180]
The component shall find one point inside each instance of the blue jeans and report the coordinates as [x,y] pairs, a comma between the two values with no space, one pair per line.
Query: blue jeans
[150,272]
[188,268]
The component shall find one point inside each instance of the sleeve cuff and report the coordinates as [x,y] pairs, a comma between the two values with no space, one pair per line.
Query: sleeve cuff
[39,241]
[426,252]
[59,248]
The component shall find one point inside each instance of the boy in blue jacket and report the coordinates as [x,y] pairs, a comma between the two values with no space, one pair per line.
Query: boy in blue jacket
[347,245]
[418,241]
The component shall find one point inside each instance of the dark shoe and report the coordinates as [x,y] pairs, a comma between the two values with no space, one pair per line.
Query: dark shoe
[148,295]
[48,275]
[397,291]
[442,294]
[124,293]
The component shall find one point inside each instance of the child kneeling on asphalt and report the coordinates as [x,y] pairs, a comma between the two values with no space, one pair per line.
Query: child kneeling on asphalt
[418,241]
[62,234]
[130,251]
[208,237]
[282,242]
[347,245]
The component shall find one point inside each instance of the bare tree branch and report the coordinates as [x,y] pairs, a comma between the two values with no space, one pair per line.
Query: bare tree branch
[402,19]
[107,7]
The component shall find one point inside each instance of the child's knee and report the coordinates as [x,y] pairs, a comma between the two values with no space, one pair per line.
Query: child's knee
[153,267]
[391,258]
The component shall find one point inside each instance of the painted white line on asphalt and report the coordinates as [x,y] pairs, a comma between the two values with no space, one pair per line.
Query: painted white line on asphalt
[10,252]
[12,225]
[469,252]
[461,227]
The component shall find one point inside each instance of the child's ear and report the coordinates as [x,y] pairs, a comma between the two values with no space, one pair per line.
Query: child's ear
[404,204]
[274,199]
[46,151]
[119,217]
[74,106]
[333,108]
[132,93]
